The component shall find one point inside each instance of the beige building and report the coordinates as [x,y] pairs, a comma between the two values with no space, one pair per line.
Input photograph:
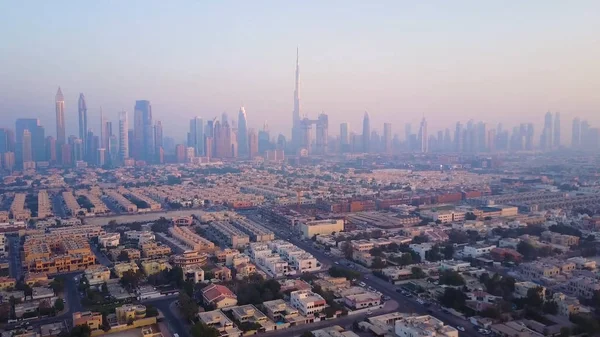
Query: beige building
[317,227]
[121,268]
[97,274]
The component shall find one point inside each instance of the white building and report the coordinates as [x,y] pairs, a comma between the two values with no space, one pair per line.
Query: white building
[109,240]
[304,262]
[307,302]
[317,227]
[477,250]
[421,249]
[423,326]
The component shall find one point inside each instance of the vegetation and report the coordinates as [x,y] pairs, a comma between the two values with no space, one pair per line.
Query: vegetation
[257,290]
[202,330]
[59,305]
[530,252]
[161,225]
[336,271]
[564,229]
[57,284]
[451,278]
[453,298]
[188,307]
[498,285]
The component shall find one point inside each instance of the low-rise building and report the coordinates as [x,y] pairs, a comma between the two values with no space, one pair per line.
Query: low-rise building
[190,259]
[317,227]
[567,305]
[97,274]
[477,250]
[283,313]
[250,314]
[152,249]
[7,282]
[219,296]
[121,268]
[364,300]
[109,240]
[151,267]
[195,273]
[583,286]
[560,239]
[307,302]
[217,320]
[333,331]
[414,326]
[421,249]
[521,289]
[92,319]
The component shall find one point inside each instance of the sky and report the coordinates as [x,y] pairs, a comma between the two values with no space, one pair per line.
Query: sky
[494,61]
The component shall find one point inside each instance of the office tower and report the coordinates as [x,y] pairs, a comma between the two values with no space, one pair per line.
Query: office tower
[344,137]
[458,137]
[281,142]
[218,139]
[423,139]
[143,131]
[546,137]
[158,141]
[123,136]
[196,136]
[101,159]
[556,136]
[252,143]
[481,137]
[585,135]
[60,118]
[296,121]
[242,133]
[104,133]
[227,146]
[26,151]
[82,112]
[366,135]
[21,125]
[224,118]
[66,155]
[448,146]
[90,148]
[491,140]
[576,133]
[387,138]
[180,153]
[322,134]
[7,140]
[375,142]
[8,160]
[264,139]
[305,135]
[78,150]
[50,149]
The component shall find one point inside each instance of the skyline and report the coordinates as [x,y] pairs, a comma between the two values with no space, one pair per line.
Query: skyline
[512,68]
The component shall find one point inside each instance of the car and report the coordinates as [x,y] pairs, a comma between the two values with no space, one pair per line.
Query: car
[460,328]
[362,284]
[399,291]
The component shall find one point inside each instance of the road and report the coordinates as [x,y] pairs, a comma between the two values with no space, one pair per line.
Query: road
[57,206]
[100,257]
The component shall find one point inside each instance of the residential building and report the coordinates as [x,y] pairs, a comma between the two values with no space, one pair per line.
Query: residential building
[415,326]
[190,259]
[284,314]
[151,267]
[219,296]
[92,319]
[583,286]
[249,313]
[421,249]
[121,268]
[7,282]
[334,331]
[363,300]
[190,239]
[195,273]
[567,305]
[153,249]
[307,302]
[217,320]
[97,274]
[521,289]
[477,250]
[109,240]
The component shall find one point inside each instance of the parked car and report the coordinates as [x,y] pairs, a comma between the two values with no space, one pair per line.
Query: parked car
[460,328]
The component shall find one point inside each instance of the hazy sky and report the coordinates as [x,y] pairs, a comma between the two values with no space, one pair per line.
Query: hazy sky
[494,61]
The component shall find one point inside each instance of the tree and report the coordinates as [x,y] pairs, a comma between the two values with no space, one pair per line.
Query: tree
[131,279]
[550,307]
[448,252]
[104,288]
[418,272]
[458,237]
[57,285]
[453,298]
[202,330]
[347,249]
[376,251]
[470,216]
[307,334]
[308,277]
[81,331]
[528,251]
[535,297]
[123,256]
[151,311]
[188,307]
[565,331]
[378,263]
[59,305]
[451,278]
[420,239]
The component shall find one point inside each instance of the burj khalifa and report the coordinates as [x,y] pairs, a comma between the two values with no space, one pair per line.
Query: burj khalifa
[296,126]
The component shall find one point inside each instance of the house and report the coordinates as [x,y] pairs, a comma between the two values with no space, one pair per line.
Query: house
[249,313]
[222,273]
[307,302]
[91,319]
[216,319]
[219,296]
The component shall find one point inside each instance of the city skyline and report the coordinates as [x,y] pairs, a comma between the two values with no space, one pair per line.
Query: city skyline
[447,72]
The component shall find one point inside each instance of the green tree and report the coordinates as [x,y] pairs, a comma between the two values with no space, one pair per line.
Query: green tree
[347,249]
[452,278]
[550,307]
[202,330]
[57,285]
[535,297]
[59,305]
[418,272]
[453,298]
[187,306]
[378,263]
[307,334]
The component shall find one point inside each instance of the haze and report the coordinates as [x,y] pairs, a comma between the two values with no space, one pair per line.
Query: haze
[494,61]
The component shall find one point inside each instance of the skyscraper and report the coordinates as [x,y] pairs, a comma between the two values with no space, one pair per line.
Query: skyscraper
[344,136]
[322,134]
[158,141]
[123,136]
[366,135]
[104,133]
[143,130]
[60,118]
[27,151]
[387,138]
[7,140]
[576,133]
[50,149]
[296,126]
[34,127]
[423,140]
[546,138]
[556,137]
[252,143]
[82,111]
[243,133]
[197,136]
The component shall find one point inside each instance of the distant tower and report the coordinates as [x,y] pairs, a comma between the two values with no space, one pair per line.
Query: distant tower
[322,133]
[366,135]
[556,137]
[243,133]
[296,126]
[27,149]
[60,118]
[123,136]
[423,140]
[143,130]
[546,139]
[576,133]
[82,112]
[344,136]
[387,138]
[158,142]
[197,136]
[252,143]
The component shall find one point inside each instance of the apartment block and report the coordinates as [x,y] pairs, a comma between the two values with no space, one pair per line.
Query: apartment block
[521,289]
[53,253]
[307,302]
[249,313]
[152,249]
[190,239]
[109,240]
[97,274]
[318,227]
[426,325]
[71,204]
[227,234]
[44,205]
[190,259]
[151,267]
[121,268]
[583,286]
[256,232]
[18,212]
[560,239]
[92,319]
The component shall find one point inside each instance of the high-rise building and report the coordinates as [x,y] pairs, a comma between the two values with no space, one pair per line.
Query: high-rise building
[82,112]
[143,130]
[423,138]
[180,153]
[556,136]
[26,151]
[366,134]
[458,138]
[7,140]
[51,149]
[576,133]
[585,135]
[104,132]
[387,138]
[529,137]
[296,120]
[546,138]
[344,136]
[197,136]
[22,124]
[123,136]
[242,133]
[322,134]
[252,143]
[264,139]
[60,118]
[158,141]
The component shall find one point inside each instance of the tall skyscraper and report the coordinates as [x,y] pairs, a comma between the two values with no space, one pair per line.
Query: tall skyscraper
[556,137]
[158,141]
[546,138]
[366,135]
[322,134]
[104,133]
[576,133]
[143,129]
[243,133]
[82,112]
[50,149]
[34,127]
[7,140]
[197,136]
[27,151]
[252,143]
[387,138]
[423,138]
[296,120]
[123,136]
[344,135]
[60,118]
